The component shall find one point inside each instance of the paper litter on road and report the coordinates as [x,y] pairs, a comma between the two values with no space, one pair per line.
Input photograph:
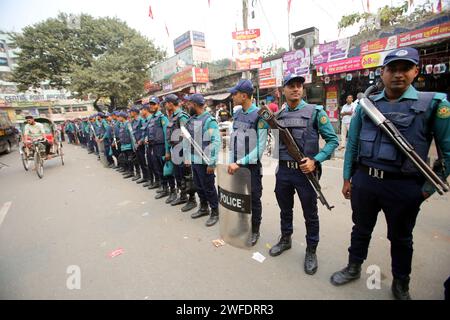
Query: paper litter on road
[258,257]
[143,202]
[268,246]
[123,203]
[116,252]
[218,242]
[185,237]
[145,214]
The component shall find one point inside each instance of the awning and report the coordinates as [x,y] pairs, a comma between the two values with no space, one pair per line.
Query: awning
[219,96]
[161,93]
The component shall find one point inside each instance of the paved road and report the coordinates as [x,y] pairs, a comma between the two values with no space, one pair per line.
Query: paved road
[81,212]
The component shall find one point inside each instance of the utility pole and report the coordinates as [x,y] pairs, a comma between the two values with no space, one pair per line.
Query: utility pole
[246,74]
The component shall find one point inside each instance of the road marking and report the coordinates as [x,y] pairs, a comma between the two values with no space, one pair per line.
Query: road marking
[4,211]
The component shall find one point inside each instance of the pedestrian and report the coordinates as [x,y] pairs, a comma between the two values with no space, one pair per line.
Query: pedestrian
[306,122]
[378,177]
[347,111]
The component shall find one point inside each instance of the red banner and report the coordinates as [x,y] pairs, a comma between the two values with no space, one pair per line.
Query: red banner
[346,65]
[182,78]
[201,75]
[407,39]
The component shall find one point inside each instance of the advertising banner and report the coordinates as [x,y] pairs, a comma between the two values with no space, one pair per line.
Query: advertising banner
[332,51]
[246,49]
[271,74]
[296,62]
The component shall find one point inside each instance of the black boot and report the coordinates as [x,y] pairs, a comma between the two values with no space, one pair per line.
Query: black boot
[351,272]
[282,245]
[155,185]
[202,211]
[163,193]
[160,188]
[180,200]
[191,204]
[173,195]
[147,184]
[136,177]
[213,218]
[400,289]
[128,175]
[310,264]
[120,169]
[142,180]
[254,236]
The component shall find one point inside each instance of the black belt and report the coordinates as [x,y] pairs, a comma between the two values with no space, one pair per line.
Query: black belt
[386,175]
[290,164]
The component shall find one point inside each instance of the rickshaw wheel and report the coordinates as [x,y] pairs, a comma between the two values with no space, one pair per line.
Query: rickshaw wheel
[25,162]
[39,164]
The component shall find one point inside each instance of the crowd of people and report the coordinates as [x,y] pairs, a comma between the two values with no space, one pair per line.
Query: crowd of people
[149,147]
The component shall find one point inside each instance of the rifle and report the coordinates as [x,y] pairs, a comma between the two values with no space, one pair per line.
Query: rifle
[294,151]
[93,131]
[399,140]
[193,143]
[133,138]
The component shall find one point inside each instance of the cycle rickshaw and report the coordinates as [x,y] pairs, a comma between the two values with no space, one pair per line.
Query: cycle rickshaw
[35,150]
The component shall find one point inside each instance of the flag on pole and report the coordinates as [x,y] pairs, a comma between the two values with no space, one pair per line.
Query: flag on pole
[368,6]
[439,6]
[150,13]
[411,2]
[209,3]
[167,30]
[289,6]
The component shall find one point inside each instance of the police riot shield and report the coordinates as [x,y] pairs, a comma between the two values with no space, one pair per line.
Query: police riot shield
[101,151]
[235,206]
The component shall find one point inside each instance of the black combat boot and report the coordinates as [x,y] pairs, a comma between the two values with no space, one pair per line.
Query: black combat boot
[163,193]
[155,185]
[148,183]
[351,272]
[213,218]
[136,177]
[254,236]
[172,195]
[180,200]
[284,244]
[191,204]
[310,264]
[400,289]
[142,180]
[128,175]
[202,211]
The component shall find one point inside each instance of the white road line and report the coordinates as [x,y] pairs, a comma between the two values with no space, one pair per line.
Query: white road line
[4,211]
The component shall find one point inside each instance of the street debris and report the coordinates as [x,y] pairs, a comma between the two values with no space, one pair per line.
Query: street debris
[258,257]
[218,242]
[145,214]
[116,252]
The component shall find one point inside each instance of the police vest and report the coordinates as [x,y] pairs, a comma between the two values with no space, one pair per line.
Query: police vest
[409,116]
[301,124]
[174,124]
[155,132]
[136,126]
[197,127]
[124,134]
[244,136]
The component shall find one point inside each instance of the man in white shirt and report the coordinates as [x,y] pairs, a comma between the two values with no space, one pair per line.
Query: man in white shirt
[34,130]
[346,114]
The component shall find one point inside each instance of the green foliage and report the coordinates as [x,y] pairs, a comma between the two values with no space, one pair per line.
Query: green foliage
[101,56]
[385,17]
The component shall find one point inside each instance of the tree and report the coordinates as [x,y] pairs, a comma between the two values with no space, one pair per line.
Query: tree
[100,56]
[272,51]
[386,16]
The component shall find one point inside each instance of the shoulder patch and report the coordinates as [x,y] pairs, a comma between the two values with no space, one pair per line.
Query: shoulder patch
[163,121]
[323,120]
[261,124]
[443,112]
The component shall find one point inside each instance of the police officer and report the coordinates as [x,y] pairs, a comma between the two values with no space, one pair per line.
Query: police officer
[146,115]
[248,141]
[205,130]
[156,135]
[126,144]
[177,118]
[306,122]
[384,179]
[139,159]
